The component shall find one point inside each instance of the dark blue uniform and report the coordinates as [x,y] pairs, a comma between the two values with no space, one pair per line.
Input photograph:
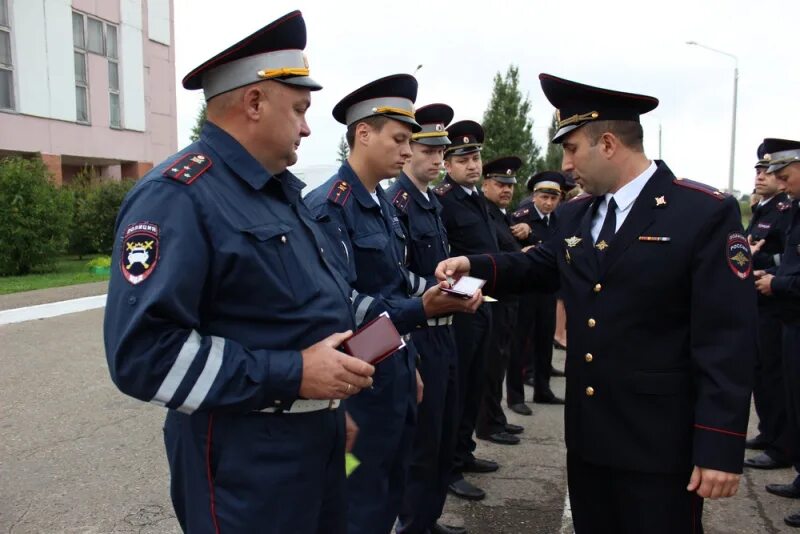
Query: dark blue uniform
[537,320]
[469,231]
[371,246]
[769,222]
[220,278]
[437,421]
[786,295]
[491,418]
[661,349]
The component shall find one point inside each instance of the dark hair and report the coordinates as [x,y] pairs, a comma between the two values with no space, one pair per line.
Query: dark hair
[375,122]
[629,133]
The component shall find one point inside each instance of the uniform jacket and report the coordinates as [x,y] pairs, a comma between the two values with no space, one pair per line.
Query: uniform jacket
[466,219]
[786,284]
[540,232]
[770,223]
[371,245]
[662,329]
[220,277]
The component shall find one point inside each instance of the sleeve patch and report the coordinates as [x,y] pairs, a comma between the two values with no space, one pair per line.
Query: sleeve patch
[139,254]
[401,200]
[443,188]
[188,168]
[340,192]
[698,186]
[738,256]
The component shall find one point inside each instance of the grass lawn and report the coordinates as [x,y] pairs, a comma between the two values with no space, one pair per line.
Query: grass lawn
[68,270]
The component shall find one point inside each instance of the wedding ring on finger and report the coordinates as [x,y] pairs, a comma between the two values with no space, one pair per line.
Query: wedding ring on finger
[347,390]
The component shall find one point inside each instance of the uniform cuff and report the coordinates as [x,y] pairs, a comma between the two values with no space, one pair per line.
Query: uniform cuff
[717,448]
[483,266]
[283,378]
[780,285]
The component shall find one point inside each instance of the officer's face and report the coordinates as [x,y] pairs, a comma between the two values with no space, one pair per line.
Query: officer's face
[546,202]
[790,177]
[389,148]
[465,170]
[497,193]
[588,162]
[284,120]
[425,162]
[766,184]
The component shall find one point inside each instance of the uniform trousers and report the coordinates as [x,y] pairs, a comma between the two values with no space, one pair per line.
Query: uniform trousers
[257,472]
[791,383]
[769,394]
[473,333]
[606,499]
[435,435]
[386,416]
[491,418]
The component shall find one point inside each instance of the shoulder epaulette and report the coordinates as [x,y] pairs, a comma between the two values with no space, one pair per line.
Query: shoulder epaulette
[520,213]
[400,200]
[188,168]
[581,197]
[698,186]
[783,206]
[443,188]
[340,192]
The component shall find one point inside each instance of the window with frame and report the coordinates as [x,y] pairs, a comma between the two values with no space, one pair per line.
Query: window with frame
[6,61]
[94,36]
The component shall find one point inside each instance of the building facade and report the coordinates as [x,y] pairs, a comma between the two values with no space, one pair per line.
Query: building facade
[88,84]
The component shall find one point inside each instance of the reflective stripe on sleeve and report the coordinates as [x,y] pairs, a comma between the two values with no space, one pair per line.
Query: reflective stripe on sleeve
[178,370]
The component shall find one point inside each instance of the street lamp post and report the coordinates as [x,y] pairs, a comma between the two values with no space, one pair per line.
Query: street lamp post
[735,99]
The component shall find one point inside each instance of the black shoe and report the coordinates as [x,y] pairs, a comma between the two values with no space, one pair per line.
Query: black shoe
[757,443]
[556,372]
[521,408]
[793,520]
[478,465]
[439,528]
[514,429]
[557,344]
[463,489]
[790,491]
[528,381]
[547,398]
[764,461]
[501,438]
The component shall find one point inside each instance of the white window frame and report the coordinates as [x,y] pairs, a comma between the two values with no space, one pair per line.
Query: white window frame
[84,50]
[112,91]
[8,67]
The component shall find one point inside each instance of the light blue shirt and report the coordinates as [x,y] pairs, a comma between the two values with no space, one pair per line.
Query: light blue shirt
[625,198]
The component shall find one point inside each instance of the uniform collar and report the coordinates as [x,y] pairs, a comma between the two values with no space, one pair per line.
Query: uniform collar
[409,186]
[458,189]
[234,155]
[347,174]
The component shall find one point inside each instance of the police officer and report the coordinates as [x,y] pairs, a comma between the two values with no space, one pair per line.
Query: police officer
[657,282]
[224,308]
[434,441]
[499,177]
[767,232]
[372,249]
[782,283]
[535,223]
[466,218]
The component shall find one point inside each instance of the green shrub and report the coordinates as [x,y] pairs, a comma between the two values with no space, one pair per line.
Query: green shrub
[99,262]
[36,216]
[80,242]
[100,212]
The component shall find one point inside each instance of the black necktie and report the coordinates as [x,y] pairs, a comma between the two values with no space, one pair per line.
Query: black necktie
[547,220]
[609,227]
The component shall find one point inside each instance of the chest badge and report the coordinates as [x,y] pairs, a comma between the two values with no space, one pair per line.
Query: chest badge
[573,241]
[601,245]
[661,201]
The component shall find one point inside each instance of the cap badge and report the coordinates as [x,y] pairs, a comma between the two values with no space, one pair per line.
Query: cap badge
[465,139]
[440,127]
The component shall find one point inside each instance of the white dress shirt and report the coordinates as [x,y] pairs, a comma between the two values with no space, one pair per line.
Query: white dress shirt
[625,198]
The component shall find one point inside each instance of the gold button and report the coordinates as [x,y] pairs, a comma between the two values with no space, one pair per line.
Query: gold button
[597,288]
[591,323]
[588,357]
[590,391]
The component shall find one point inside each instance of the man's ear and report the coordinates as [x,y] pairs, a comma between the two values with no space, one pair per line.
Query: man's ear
[252,102]
[363,133]
[609,144]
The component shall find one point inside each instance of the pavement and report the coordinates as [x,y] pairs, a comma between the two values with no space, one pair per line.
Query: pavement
[77,456]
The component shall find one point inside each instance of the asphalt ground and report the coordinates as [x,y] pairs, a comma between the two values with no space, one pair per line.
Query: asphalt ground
[77,456]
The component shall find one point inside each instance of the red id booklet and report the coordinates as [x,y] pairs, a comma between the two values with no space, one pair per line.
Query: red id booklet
[375,341]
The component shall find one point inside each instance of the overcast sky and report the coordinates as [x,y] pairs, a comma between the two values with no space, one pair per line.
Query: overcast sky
[638,46]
